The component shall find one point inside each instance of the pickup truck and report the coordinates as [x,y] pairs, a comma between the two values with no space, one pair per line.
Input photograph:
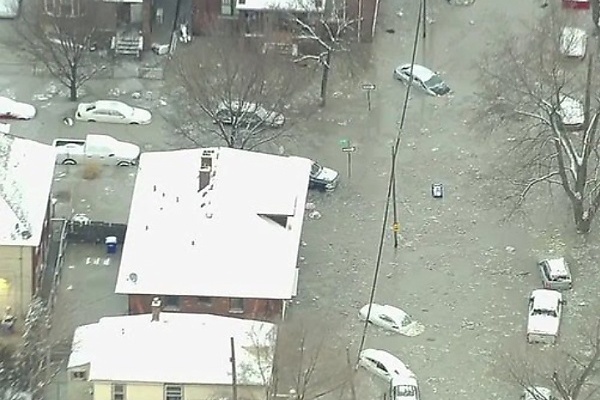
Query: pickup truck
[103,149]
[545,310]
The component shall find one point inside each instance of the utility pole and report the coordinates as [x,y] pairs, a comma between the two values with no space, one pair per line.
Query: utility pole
[424,19]
[233,370]
[395,226]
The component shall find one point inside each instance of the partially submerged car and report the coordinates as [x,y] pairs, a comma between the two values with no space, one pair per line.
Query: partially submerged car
[573,42]
[556,274]
[404,387]
[382,364]
[571,112]
[423,78]
[323,178]
[545,310]
[391,318]
[112,111]
[12,109]
[248,113]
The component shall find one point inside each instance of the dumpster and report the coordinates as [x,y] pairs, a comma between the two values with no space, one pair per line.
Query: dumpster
[111,244]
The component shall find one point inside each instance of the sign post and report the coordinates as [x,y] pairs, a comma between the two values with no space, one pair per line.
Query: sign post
[368,88]
[348,149]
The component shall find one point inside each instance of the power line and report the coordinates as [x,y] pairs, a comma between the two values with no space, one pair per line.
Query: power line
[392,178]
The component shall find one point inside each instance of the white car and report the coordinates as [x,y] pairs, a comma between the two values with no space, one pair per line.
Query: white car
[382,364]
[423,78]
[113,112]
[571,112]
[12,109]
[573,42]
[404,387]
[545,310]
[392,318]
[537,393]
[247,112]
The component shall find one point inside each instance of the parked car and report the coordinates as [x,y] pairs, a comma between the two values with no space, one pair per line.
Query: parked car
[12,109]
[423,78]
[571,112]
[247,112]
[556,274]
[537,393]
[9,9]
[404,387]
[545,310]
[112,111]
[573,42]
[102,149]
[323,178]
[392,318]
[382,364]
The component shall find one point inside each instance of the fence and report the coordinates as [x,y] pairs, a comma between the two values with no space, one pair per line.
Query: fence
[94,231]
[62,244]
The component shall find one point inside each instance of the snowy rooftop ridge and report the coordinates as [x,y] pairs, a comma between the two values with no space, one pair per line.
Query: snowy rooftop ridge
[26,170]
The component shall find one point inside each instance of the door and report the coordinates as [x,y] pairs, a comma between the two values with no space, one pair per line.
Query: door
[136,13]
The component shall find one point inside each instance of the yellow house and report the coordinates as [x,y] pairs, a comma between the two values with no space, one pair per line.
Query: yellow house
[26,171]
[173,356]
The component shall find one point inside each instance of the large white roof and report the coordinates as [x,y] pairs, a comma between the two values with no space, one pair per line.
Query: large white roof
[26,171]
[180,348]
[220,241]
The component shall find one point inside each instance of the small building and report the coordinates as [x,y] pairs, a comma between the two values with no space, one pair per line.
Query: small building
[26,173]
[216,231]
[173,356]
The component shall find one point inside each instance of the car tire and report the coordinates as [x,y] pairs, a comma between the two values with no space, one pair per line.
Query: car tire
[134,123]
[69,161]
[91,120]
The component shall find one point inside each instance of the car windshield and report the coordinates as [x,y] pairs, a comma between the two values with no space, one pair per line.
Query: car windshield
[435,81]
[404,391]
[315,169]
[538,311]
[406,321]
[123,109]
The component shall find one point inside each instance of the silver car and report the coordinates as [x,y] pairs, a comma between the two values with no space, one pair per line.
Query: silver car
[556,274]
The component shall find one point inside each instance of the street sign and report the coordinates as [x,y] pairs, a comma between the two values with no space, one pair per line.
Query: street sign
[350,149]
[396,227]
[369,86]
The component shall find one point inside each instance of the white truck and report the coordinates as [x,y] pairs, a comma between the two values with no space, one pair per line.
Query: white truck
[102,149]
[545,310]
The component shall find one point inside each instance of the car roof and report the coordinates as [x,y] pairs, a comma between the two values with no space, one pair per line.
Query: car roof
[386,309]
[545,299]
[575,33]
[422,72]
[385,357]
[557,266]
[108,104]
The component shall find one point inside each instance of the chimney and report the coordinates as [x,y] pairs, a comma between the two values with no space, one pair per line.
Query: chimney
[204,174]
[156,306]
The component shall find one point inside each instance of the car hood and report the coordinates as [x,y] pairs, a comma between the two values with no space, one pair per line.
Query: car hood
[441,89]
[544,324]
[327,175]
[129,151]
[141,115]
[415,328]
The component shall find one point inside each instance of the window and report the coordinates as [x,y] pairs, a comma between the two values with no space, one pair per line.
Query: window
[173,392]
[118,391]
[171,303]
[205,301]
[63,8]
[228,7]
[236,305]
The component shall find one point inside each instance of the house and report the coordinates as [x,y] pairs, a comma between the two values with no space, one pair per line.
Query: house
[173,356]
[214,230]
[26,173]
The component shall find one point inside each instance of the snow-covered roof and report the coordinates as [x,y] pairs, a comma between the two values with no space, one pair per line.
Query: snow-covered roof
[544,299]
[558,267]
[26,170]
[9,8]
[179,348]
[236,237]
[573,42]
[302,6]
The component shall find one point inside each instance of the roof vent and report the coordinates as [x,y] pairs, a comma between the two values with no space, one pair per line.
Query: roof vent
[154,188]
[133,277]
[26,235]
[209,215]
[204,177]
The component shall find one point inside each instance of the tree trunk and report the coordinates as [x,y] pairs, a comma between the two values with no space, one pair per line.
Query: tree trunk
[73,83]
[582,218]
[325,78]
[596,14]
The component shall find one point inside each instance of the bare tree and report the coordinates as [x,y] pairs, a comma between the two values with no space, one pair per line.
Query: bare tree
[25,368]
[330,33]
[549,105]
[61,40]
[307,364]
[237,92]
[595,4]
[567,374]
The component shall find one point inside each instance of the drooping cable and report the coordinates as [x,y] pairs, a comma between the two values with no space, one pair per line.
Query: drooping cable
[391,180]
